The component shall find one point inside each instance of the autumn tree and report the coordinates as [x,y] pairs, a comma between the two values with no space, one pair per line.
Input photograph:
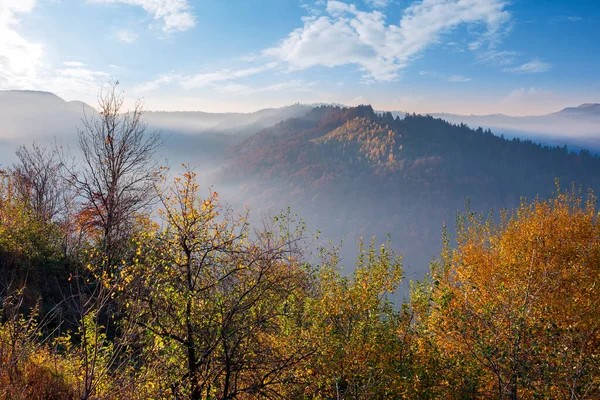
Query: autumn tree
[362,339]
[30,369]
[31,250]
[118,171]
[115,180]
[39,180]
[516,302]
[209,295]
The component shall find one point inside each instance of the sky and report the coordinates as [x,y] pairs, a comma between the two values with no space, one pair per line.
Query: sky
[517,57]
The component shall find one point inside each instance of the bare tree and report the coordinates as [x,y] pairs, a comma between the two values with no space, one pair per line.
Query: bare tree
[39,180]
[118,172]
[115,180]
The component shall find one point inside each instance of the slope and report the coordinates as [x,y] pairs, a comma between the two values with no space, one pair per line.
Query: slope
[352,172]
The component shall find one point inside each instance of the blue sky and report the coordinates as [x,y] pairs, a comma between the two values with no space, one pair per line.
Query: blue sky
[516,57]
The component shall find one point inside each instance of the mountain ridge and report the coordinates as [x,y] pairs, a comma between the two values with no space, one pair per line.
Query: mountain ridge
[594,106]
[367,173]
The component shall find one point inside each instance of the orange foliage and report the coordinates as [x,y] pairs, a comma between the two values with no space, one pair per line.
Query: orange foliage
[518,301]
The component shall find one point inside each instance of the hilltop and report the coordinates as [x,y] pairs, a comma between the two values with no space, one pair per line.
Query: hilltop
[353,172]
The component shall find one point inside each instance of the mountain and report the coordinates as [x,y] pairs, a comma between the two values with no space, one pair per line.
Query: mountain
[201,138]
[352,172]
[245,123]
[193,137]
[588,109]
[36,114]
[577,127]
[41,116]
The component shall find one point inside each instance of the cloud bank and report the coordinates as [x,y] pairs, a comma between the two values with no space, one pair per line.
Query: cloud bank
[173,15]
[346,35]
[20,58]
[531,67]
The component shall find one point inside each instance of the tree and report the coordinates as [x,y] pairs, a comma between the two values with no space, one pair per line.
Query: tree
[30,247]
[118,173]
[116,182]
[38,177]
[362,340]
[39,180]
[518,301]
[209,296]
[29,369]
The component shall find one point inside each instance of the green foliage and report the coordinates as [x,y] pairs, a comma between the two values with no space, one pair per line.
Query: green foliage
[361,342]
[31,249]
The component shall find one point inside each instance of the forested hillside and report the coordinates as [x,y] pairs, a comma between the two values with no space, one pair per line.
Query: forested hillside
[352,172]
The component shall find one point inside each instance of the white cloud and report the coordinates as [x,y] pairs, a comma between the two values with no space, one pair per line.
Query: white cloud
[451,78]
[75,64]
[83,74]
[566,18]
[532,67]
[127,36]
[20,59]
[174,15]
[535,100]
[349,36]
[74,82]
[209,78]
[290,86]
[458,79]
[358,100]
[206,79]
[248,57]
[377,3]
[233,88]
[294,85]
[221,80]
[521,93]
[155,84]
[312,7]
[241,89]
[495,57]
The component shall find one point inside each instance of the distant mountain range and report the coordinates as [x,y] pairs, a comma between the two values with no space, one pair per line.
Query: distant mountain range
[584,109]
[590,109]
[35,114]
[193,136]
[578,127]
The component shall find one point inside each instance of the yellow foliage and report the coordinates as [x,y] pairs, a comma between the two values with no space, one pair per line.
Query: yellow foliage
[518,301]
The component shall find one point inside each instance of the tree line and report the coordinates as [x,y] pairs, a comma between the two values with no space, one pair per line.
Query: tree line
[118,282]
